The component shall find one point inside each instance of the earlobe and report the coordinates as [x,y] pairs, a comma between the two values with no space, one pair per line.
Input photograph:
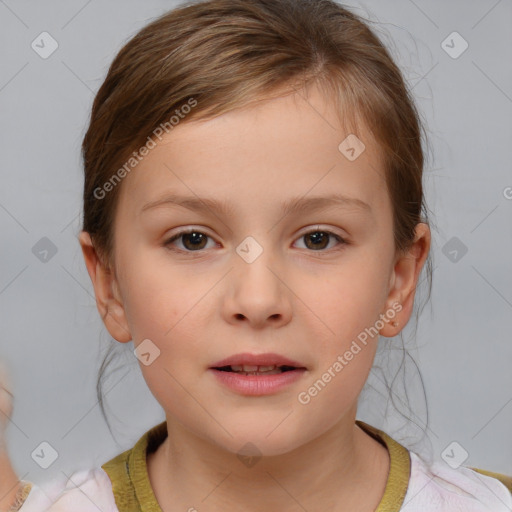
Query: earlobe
[404,280]
[108,300]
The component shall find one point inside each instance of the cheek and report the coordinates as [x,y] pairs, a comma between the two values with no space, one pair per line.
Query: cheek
[169,322]
[344,302]
[166,308]
[159,298]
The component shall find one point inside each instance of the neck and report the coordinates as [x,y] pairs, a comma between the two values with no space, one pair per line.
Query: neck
[344,469]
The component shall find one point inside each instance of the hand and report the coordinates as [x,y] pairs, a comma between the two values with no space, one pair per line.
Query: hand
[9,481]
[6,403]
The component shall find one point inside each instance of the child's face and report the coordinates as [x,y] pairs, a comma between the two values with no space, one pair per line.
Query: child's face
[306,298]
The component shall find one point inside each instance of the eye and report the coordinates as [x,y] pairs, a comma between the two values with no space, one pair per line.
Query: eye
[316,240]
[193,240]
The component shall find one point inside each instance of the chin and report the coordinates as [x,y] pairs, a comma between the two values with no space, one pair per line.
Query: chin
[257,442]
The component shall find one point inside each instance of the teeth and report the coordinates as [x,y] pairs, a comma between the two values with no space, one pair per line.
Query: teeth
[252,368]
[266,368]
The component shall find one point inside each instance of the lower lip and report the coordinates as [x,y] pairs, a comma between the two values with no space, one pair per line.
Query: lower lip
[258,384]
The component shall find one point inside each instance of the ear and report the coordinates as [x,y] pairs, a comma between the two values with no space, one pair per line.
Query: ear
[108,299]
[403,282]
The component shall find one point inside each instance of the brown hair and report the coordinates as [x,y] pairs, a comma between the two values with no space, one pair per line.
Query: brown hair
[224,54]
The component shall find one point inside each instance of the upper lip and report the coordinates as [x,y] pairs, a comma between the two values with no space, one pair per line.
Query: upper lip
[268,359]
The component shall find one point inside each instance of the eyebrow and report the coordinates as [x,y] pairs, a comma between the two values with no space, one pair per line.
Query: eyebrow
[294,205]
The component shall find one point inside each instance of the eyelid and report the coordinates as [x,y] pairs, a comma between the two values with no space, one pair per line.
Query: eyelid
[184,231]
[320,227]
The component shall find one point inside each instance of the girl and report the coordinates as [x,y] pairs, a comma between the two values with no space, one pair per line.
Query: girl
[254,220]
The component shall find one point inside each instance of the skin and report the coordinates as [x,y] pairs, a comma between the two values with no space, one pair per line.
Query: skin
[306,303]
[9,482]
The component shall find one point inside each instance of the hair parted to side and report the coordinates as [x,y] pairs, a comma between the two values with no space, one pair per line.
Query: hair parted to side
[228,53]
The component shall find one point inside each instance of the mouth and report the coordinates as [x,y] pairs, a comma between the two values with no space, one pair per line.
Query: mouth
[257,369]
[257,364]
[261,375]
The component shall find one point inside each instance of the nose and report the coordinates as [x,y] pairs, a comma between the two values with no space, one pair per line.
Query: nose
[258,293]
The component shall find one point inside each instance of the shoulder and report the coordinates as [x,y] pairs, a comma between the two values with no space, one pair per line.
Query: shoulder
[86,490]
[439,487]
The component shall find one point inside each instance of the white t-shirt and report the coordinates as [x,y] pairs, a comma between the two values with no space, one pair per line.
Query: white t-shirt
[412,486]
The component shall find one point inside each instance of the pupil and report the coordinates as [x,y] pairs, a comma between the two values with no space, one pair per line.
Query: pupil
[316,237]
[195,237]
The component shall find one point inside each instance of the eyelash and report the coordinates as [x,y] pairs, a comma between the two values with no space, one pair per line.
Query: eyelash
[168,243]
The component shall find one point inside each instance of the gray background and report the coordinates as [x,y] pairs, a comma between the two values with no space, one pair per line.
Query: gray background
[52,335]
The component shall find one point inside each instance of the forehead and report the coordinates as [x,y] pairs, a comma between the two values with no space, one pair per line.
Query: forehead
[287,146]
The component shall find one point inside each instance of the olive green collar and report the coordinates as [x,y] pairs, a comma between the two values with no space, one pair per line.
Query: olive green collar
[132,490]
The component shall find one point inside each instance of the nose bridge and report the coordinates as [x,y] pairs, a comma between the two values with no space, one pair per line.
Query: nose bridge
[257,289]
[250,250]
[257,262]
